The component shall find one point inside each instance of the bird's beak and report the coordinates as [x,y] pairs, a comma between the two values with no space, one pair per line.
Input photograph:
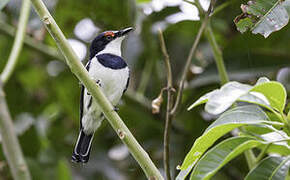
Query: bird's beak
[125,31]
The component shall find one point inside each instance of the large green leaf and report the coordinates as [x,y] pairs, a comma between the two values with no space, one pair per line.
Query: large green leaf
[265,93]
[270,168]
[220,155]
[263,16]
[226,96]
[239,116]
[219,100]
[227,150]
[274,92]
[277,142]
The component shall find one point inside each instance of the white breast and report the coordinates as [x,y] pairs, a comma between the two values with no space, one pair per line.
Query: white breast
[113,82]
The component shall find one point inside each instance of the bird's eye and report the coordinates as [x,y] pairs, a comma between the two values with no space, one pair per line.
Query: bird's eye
[109,38]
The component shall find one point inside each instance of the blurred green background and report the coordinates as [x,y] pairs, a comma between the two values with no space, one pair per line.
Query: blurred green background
[43,95]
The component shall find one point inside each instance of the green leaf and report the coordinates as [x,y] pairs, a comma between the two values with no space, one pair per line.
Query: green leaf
[3,3]
[274,92]
[203,99]
[270,168]
[263,16]
[265,93]
[220,155]
[219,100]
[225,97]
[278,145]
[228,121]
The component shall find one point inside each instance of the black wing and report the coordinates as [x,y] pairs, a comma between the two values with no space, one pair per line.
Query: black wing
[82,96]
[127,84]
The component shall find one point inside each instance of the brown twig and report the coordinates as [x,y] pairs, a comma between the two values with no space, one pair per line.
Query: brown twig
[166,160]
[191,53]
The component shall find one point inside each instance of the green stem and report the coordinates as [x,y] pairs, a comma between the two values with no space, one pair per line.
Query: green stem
[222,6]
[18,42]
[10,144]
[217,53]
[250,157]
[78,69]
[189,58]
[262,153]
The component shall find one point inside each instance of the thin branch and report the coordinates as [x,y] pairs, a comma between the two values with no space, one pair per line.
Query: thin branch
[188,61]
[18,42]
[10,144]
[197,5]
[31,42]
[222,6]
[166,160]
[78,69]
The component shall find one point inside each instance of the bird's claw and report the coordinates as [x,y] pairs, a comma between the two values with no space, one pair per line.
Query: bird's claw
[98,82]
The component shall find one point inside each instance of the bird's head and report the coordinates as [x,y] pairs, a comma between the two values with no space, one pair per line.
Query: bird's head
[108,42]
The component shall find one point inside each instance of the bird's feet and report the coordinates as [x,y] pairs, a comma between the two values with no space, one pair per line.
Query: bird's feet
[98,82]
[116,109]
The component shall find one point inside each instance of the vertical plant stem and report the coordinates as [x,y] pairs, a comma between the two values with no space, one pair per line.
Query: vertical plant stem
[250,157]
[166,157]
[10,144]
[217,53]
[81,73]
[18,42]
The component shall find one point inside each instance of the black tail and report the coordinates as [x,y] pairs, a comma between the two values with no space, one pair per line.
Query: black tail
[82,148]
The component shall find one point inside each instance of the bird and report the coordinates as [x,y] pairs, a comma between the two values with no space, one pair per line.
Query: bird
[111,73]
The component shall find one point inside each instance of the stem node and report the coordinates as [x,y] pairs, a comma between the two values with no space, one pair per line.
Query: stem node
[46,20]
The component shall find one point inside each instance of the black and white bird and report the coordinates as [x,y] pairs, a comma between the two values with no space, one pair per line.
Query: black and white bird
[107,67]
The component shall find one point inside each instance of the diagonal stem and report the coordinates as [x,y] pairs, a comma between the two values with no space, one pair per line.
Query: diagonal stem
[78,69]
[10,143]
[18,42]
[218,56]
[188,61]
